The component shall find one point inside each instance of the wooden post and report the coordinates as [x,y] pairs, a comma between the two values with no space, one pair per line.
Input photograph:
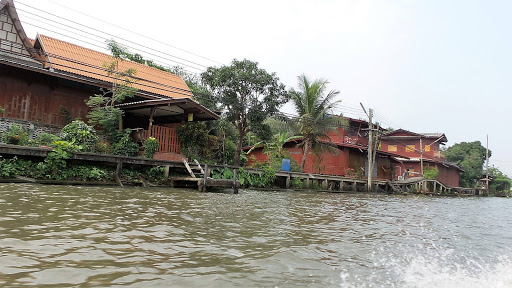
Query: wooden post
[235,187]
[308,183]
[354,186]
[341,185]
[325,184]
[151,114]
[288,180]
[117,173]
[370,151]
[205,177]
[166,174]
[421,157]
[435,186]
[27,107]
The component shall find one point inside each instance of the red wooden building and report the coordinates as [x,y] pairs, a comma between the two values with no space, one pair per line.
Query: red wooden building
[416,148]
[46,80]
[351,142]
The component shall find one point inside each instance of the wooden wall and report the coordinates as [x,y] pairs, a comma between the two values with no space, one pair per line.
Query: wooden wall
[36,97]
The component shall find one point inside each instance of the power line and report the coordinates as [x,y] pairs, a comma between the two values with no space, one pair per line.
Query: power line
[138,34]
[89,33]
[96,45]
[110,35]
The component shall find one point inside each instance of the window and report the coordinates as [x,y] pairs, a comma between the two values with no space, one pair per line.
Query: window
[410,148]
[392,148]
[427,148]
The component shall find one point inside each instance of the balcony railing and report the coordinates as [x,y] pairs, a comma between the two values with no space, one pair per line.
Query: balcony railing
[355,140]
[439,154]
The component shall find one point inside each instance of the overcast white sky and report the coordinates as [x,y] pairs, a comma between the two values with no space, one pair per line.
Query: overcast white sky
[425,66]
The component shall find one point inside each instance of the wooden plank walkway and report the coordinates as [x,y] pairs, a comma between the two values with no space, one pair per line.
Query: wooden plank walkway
[284,179]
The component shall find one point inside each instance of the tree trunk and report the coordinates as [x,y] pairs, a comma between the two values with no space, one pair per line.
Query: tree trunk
[305,153]
[239,148]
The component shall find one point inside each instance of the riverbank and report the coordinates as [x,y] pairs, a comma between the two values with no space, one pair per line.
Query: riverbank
[47,166]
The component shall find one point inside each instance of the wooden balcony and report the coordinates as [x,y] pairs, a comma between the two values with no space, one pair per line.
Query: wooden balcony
[439,155]
[355,140]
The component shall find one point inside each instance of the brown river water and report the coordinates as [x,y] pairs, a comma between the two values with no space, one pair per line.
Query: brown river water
[62,236]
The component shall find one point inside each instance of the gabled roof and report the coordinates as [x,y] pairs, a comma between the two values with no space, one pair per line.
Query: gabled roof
[405,134]
[20,46]
[78,60]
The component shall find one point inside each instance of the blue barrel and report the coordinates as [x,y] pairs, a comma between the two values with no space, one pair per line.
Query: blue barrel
[285,166]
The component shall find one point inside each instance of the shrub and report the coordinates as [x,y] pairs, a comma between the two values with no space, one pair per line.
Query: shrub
[55,163]
[84,173]
[101,148]
[1,110]
[150,147]
[297,183]
[155,174]
[16,135]
[125,146]
[46,139]
[430,172]
[262,180]
[80,134]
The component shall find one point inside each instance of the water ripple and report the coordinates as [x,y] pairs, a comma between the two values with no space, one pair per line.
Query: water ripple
[132,237]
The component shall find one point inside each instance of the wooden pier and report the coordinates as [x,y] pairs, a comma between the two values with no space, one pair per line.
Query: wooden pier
[200,176]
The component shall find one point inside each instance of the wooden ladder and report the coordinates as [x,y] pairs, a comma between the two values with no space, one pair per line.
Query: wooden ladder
[395,187]
[196,167]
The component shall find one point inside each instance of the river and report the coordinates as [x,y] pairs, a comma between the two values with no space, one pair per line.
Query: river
[62,236]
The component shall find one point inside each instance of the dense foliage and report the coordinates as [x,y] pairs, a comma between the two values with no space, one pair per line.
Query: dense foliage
[124,145]
[80,134]
[430,172]
[15,135]
[56,161]
[150,147]
[264,179]
[500,183]
[248,94]
[10,168]
[46,139]
[1,110]
[471,157]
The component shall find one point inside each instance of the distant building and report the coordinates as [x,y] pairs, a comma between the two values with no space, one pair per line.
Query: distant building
[415,147]
[46,80]
[351,143]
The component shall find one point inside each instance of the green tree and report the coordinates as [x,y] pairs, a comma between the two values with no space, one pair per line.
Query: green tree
[248,94]
[471,157]
[314,109]
[1,110]
[500,183]
[103,111]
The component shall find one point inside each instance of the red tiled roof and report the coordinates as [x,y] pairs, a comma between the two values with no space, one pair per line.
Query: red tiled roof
[71,58]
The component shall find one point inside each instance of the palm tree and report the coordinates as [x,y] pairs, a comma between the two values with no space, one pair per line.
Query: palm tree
[314,109]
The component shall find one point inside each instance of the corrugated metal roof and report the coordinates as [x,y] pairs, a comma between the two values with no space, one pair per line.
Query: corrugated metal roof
[432,135]
[68,57]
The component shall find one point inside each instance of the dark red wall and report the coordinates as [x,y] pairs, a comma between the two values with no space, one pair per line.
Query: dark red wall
[37,97]
[345,163]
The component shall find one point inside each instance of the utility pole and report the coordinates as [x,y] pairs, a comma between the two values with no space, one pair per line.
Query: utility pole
[487,166]
[421,156]
[370,147]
